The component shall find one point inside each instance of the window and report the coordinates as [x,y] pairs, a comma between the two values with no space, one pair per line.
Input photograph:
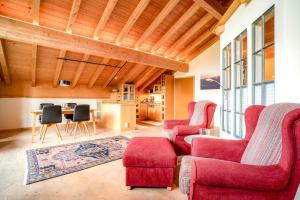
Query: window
[241,82]
[263,58]
[226,74]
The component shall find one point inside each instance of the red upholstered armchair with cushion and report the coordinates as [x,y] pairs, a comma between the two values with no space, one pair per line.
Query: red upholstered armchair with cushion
[200,116]
[265,165]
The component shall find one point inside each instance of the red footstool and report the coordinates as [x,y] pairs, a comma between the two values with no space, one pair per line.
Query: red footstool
[149,162]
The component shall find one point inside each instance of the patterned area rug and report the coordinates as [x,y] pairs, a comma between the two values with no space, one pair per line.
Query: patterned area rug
[49,162]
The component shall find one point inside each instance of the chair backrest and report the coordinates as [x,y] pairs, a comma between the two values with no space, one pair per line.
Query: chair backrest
[81,113]
[266,144]
[51,115]
[208,108]
[45,104]
[251,118]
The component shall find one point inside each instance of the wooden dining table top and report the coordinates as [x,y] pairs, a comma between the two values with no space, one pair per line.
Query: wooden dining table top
[63,111]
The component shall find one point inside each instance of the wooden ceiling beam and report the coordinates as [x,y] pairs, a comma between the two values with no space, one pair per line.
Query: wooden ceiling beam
[152,78]
[183,54]
[36,12]
[144,76]
[3,64]
[220,27]
[114,74]
[33,65]
[203,48]
[73,15]
[180,42]
[59,65]
[97,73]
[186,16]
[135,69]
[104,18]
[210,9]
[21,31]
[132,19]
[79,70]
[157,21]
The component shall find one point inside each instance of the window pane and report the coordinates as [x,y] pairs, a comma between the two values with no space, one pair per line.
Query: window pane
[228,101]
[244,99]
[258,68]
[229,55]
[228,121]
[258,31]
[257,95]
[237,49]
[269,94]
[269,64]
[238,75]
[244,39]
[244,72]
[238,100]
[269,28]
[237,125]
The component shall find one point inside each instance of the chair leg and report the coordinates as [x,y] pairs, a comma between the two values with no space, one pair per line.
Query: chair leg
[58,132]
[84,124]
[44,133]
[41,130]
[75,128]
[67,126]
[79,123]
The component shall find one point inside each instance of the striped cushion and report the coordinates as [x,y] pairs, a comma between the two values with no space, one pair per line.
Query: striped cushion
[265,145]
[198,114]
[185,173]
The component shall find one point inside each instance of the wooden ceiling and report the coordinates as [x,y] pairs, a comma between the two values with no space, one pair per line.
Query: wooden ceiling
[131,40]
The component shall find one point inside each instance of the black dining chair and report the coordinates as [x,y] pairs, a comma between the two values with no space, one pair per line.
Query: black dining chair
[81,116]
[51,115]
[69,117]
[41,107]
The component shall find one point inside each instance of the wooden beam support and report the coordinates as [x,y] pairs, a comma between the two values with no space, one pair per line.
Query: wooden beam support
[180,42]
[152,78]
[73,15]
[36,12]
[115,72]
[59,65]
[144,76]
[220,27]
[187,15]
[210,9]
[21,31]
[79,70]
[33,65]
[157,21]
[135,69]
[203,48]
[3,63]
[104,18]
[132,19]
[97,73]
[183,54]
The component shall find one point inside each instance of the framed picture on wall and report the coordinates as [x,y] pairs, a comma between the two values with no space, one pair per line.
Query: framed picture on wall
[210,82]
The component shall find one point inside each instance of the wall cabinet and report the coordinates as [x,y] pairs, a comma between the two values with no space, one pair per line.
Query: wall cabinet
[127,92]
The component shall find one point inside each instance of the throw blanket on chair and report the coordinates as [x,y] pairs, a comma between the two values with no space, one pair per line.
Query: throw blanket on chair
[198,114]
[265,145]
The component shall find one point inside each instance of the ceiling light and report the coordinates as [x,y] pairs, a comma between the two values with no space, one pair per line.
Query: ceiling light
[118,43]
[64,83]
[116,78]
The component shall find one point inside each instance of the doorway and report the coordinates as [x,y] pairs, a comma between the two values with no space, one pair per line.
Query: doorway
[184,93]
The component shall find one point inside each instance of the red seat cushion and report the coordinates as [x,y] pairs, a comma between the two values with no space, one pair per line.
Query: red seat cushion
[149,152]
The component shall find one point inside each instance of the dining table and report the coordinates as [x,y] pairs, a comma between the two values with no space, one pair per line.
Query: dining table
[37,113]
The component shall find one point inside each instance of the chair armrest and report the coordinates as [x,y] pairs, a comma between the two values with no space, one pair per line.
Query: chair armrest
[186,130]
[169,124]
[221,173]
[218,148]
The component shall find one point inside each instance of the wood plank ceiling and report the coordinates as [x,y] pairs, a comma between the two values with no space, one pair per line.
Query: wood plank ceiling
[154,36]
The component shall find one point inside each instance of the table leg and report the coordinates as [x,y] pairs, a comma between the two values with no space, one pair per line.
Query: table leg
[33,127]
[94,121]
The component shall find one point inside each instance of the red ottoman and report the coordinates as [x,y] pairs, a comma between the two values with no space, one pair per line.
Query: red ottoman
[149,162]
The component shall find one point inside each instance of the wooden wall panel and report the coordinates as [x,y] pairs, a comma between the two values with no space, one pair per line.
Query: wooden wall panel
[18,9]
[24,89]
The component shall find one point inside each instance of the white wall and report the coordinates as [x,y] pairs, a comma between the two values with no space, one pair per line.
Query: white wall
[207,63]
[287,48]
[15,112]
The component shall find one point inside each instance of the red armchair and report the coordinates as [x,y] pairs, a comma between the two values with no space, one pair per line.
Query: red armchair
[177,130]
[218,172]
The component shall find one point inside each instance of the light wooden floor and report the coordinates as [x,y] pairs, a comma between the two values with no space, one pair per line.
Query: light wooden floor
[103,182]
